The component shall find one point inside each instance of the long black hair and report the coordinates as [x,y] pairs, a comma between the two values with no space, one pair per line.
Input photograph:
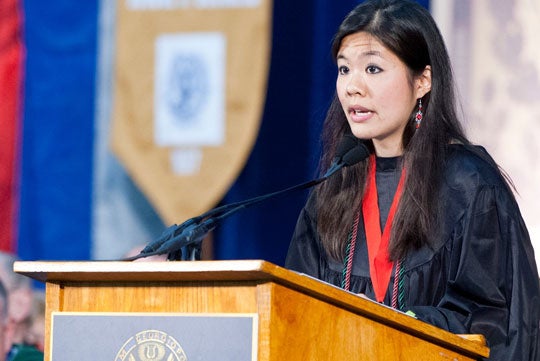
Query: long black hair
[408,30]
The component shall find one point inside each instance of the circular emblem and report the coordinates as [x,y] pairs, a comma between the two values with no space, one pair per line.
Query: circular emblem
[151,345]
[187,87]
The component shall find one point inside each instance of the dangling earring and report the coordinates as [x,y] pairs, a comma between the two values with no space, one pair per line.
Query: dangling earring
[419,115]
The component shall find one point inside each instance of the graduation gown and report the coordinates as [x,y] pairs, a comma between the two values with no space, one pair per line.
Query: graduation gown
[479,275]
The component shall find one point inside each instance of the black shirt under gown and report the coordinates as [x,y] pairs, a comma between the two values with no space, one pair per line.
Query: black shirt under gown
[479,276]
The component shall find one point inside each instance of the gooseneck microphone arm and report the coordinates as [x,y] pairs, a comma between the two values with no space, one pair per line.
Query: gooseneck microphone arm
[188,235]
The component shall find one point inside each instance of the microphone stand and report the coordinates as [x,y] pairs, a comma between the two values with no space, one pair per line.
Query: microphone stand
[183,242]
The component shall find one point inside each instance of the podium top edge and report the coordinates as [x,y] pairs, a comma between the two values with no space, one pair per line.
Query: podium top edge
[46,271]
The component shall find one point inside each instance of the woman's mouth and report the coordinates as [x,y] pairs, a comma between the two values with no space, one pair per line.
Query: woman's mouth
[359,114]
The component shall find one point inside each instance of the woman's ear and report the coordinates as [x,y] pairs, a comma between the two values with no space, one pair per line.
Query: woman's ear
[423,82]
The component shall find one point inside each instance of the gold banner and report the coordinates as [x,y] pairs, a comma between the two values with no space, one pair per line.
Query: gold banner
[190,85]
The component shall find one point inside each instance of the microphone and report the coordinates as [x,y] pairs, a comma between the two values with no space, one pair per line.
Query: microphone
[349,151]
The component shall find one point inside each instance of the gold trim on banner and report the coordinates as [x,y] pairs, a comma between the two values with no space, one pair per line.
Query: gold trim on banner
[247,35]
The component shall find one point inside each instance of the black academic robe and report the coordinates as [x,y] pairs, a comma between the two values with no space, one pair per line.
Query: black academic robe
[479,276]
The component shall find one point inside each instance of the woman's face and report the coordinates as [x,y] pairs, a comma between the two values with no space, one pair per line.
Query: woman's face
[377,92]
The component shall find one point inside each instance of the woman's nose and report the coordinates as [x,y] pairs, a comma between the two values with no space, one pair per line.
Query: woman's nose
[356,85]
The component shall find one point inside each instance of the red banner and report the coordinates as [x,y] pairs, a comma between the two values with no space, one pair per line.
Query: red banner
[11,56]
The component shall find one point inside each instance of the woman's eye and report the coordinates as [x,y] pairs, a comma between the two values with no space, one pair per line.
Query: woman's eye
[372,69]
[343,70]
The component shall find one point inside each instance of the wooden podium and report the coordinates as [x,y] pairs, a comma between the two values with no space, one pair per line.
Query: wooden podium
[299,318]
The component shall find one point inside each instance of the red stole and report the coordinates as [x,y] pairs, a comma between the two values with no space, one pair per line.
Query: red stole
[380,266]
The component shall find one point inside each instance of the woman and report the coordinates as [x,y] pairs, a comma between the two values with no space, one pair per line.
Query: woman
[428,224]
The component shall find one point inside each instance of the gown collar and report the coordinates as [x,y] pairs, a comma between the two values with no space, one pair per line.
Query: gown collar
[388,163]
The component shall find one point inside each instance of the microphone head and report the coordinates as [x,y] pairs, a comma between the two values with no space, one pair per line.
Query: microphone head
[347,142]
[356,154]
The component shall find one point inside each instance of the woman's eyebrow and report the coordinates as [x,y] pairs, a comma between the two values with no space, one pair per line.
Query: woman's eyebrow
[364,54]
